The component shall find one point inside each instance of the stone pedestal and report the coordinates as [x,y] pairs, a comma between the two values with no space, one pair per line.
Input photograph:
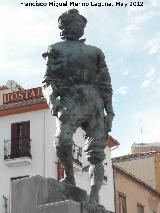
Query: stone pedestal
[45,195]
[68,206]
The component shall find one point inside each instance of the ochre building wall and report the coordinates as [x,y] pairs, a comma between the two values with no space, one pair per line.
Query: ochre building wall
[135,193]
[142,168]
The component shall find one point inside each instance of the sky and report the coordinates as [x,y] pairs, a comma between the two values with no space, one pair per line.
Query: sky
[130,39]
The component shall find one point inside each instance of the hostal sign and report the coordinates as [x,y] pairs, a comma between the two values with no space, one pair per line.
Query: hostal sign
[22,95]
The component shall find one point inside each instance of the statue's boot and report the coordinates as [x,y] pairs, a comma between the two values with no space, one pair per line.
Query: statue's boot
[96,173]
[66,158]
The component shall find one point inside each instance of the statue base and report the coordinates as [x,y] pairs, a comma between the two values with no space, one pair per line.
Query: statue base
[45,195]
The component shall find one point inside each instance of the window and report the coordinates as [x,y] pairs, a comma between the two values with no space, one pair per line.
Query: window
[20,139]
[77,154]
[60,171]
[140,208]
[122,203]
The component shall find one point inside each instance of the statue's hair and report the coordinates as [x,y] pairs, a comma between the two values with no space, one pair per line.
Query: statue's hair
[67,17]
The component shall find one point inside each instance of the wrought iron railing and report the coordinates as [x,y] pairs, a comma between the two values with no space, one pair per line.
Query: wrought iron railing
[77,154]
[16,148]
[105,178]
[5,204]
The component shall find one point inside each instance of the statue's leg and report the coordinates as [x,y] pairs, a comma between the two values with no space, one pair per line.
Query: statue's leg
[96,174]
[95,145]
[64,143]
[65,157]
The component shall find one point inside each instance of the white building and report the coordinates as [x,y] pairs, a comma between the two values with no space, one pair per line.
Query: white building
[27,132]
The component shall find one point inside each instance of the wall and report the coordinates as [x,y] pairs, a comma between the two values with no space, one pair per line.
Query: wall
[135,193]
[142,167]
[146,149]
[157,171]
[107,190]
[39,166]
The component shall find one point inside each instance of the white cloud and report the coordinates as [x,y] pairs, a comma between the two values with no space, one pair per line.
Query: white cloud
[153,45]
[145,83]
[122,90]
[149,78]
[137,17]
[125,72]
[151,74]
[155,3]
[26,33]
[136,23]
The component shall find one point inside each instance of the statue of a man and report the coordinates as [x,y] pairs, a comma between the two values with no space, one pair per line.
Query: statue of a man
[77,86]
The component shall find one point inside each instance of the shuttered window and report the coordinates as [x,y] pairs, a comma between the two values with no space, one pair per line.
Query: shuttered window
[20,139]
[60,171]
[140,208]
[122,203]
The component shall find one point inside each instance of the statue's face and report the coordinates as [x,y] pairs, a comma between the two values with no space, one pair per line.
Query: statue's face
[75,27]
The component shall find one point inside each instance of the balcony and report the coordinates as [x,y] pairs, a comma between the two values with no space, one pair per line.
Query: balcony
[17,151]
[77,155]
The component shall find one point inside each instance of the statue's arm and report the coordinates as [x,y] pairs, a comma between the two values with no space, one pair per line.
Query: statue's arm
[49,84]
[105,88]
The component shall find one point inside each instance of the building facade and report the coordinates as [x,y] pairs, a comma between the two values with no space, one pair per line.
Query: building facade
[132,195]
[143,165]
[145,147]
[27,132]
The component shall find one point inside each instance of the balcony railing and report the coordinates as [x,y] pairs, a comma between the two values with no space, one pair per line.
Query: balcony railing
[5,200]
[77,154]
[17,148]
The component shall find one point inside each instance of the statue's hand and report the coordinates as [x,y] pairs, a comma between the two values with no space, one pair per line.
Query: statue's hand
[108,122]
[55,107]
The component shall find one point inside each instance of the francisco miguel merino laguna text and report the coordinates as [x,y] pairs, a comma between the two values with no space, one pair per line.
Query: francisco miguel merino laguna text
[84,4]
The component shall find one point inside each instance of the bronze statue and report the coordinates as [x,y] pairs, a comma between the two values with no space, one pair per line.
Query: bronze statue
[77,86]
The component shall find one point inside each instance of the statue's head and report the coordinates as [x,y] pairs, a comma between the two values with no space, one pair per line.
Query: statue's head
[72,24]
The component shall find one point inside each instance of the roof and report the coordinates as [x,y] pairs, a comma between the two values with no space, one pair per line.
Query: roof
[135,156]
[135,179]
[112,142]
[144,145]
[3,87]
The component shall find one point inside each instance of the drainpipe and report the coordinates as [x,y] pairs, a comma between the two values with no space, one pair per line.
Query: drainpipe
[114,172]
[44,145]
